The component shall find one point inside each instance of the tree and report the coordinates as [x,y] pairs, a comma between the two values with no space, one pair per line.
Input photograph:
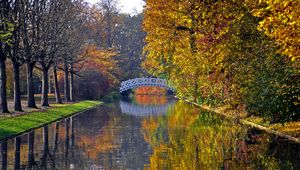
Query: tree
[5,37]
[16,52]
[75,38]
[31,13]
[57,14]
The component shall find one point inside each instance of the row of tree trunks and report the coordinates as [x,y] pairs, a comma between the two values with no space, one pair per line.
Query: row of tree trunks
[26,38]
[68,85]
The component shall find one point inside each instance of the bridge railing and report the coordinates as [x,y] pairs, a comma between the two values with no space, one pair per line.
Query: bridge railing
[140,82]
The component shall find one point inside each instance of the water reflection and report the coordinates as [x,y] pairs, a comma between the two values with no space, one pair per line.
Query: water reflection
[17,153]
[4,154]
[31,161]
[135,109]
[179,137]
[189,138]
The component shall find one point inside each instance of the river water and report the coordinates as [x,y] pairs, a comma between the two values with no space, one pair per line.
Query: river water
[148,133]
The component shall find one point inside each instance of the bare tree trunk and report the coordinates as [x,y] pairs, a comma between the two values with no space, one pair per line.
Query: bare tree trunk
[3,84]
[17,91]
[30,85]
[66,84]
[109,39]
[45,86]
[56,87]
[71,83]
[50,85]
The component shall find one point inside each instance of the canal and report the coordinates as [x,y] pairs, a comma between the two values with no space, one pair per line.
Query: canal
[148,133]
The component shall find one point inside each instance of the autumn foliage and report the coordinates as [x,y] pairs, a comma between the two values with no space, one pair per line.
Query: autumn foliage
[281,22]
[99,74]
[241,53]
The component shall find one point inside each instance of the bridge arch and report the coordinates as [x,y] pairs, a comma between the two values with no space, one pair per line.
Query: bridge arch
[143,82]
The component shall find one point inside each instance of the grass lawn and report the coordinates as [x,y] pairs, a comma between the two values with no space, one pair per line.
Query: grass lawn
[17,125]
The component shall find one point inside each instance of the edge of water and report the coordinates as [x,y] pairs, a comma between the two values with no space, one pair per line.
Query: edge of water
[245,122]
[50,122]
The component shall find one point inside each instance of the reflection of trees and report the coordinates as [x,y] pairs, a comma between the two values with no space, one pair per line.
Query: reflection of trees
[4,154]
[17,152]
[96,137]
[117,144]
[185,138]
[150,91]
[151,100]
[201,140]
[30,149]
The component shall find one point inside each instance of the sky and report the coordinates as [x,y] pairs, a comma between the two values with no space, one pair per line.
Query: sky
[127,6]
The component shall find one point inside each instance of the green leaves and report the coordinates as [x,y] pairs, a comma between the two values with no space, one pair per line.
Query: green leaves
[6,31]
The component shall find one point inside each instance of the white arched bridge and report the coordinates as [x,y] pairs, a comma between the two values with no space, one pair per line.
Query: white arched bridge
[141,82]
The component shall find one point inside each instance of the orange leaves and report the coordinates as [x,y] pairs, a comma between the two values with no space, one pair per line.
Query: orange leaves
[101,60]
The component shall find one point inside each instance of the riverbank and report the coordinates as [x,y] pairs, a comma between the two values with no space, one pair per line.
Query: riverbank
[290,130]
[13,126]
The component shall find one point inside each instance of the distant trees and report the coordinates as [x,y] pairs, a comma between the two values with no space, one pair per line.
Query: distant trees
[104,17]
[129,39]
[109,12]
[115,43]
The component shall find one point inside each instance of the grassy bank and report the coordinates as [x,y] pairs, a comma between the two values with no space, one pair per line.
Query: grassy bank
[290,128]
[17,125]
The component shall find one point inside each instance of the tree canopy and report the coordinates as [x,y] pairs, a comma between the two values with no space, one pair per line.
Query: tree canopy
[227,52]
